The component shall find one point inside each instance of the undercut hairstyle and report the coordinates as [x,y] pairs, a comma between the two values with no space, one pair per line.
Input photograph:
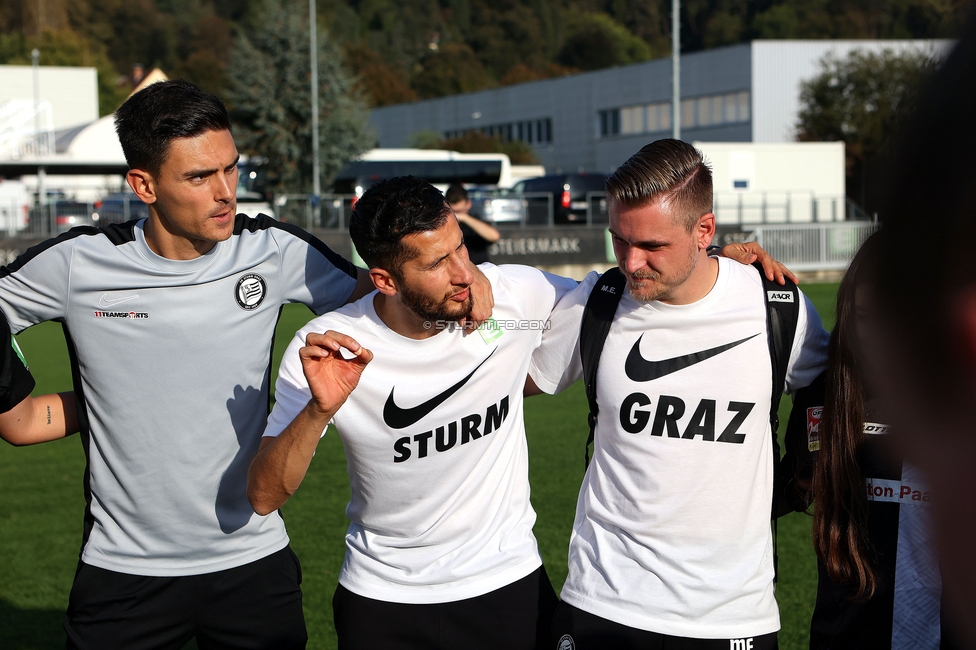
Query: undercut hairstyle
[456,194]
[670,171]
[149,120]
[388,212]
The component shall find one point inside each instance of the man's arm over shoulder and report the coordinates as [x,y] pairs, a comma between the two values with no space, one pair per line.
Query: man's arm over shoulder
[314,274]
[808,357]
[556,362]
[536,291]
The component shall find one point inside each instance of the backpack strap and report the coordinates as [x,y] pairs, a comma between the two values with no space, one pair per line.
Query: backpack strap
[597,317]
[782,316]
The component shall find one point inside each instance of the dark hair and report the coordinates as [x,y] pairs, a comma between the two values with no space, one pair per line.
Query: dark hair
[456,194]
[840,535]
[388,212]
[669,170]
[160,112]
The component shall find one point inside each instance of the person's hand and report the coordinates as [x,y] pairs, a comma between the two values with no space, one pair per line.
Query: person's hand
[483,301]
[749,252]
[331,377]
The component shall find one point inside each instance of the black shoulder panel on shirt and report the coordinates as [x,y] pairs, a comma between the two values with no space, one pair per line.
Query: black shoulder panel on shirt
[264,222]
[117,233]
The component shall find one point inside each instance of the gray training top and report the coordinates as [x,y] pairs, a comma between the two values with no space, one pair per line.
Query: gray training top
[171,362]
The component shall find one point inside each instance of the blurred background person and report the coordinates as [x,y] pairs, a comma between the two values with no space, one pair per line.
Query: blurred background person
[926,359]
[478,235]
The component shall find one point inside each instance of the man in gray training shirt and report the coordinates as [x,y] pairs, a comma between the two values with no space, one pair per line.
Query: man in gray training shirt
[170,322]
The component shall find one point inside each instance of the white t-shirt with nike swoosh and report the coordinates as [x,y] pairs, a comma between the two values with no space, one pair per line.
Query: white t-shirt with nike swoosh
[435,446]
[672,530]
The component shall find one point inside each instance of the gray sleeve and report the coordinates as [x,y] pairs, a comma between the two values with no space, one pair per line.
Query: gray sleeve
[34,287]
[312,273]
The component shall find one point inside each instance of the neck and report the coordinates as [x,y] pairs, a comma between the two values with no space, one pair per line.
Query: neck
[698,284]
[402,320]
[171,245]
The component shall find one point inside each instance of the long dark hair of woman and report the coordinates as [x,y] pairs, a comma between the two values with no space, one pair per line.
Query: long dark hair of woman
[840,503]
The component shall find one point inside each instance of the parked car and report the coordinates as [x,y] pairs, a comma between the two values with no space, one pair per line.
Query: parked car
[573,197]
[60,215]
[119,208]
[497,205]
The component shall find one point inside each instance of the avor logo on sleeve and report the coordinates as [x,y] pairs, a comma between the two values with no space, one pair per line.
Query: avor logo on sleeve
[250,291]
[814,415]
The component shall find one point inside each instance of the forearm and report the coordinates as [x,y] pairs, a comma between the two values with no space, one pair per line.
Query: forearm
[40,419]
[282,462]
[486,231]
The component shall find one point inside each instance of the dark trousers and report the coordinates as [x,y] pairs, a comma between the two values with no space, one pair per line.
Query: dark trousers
[254,606]
[574,629]
[515,617]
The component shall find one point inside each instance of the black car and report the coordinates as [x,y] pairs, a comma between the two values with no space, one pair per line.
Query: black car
[119,208]
[576,198]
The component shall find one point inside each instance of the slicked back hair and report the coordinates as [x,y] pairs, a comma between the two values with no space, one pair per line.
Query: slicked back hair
[149,120]
[388,212]
[670,171]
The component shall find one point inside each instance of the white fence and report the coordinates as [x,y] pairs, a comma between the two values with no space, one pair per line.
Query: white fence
[814,246]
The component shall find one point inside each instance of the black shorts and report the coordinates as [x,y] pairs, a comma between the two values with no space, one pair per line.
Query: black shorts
[574,629]
[257,605]
[515,617]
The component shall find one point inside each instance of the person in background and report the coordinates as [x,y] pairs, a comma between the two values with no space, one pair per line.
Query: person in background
[478,235]
[925,360]
[879,584]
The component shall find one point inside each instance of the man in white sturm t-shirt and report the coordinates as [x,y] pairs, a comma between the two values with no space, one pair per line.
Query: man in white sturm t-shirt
[440,550]
[671,546]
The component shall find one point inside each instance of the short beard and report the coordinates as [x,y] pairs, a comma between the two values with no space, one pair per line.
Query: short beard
[431,309]
[662,287]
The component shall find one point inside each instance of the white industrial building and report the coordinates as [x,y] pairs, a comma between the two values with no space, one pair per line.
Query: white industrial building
[596,120]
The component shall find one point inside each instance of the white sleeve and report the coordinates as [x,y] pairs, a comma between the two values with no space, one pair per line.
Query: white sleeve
[538,291]
[808,358]
[291,388]
[556,362]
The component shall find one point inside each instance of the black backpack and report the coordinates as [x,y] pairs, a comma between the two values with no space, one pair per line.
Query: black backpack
[782,315]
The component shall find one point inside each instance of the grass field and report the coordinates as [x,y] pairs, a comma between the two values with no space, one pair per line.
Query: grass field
[42,506]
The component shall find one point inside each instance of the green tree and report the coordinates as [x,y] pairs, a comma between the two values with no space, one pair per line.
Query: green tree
[270,100]
[452,69]
[861,99]
[597,41]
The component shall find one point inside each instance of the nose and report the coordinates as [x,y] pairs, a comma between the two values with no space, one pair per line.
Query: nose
[225,186]
[463,275]
[630,258]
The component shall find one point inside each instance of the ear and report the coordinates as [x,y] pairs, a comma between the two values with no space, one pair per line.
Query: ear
[705,230]
[142,184]
[384,281]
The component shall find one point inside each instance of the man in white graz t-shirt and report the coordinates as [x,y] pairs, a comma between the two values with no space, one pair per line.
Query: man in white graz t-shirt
[440,551]
[671,546]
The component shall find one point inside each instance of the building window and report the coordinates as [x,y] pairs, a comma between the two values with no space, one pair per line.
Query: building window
[632,120]
[534,131]
[609,122]
[710,110]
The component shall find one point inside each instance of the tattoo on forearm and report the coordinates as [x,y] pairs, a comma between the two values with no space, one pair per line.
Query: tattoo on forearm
[49,415]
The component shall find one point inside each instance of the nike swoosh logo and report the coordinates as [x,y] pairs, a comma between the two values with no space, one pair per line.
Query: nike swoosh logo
[640,369]
[106,301]
[401,418]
